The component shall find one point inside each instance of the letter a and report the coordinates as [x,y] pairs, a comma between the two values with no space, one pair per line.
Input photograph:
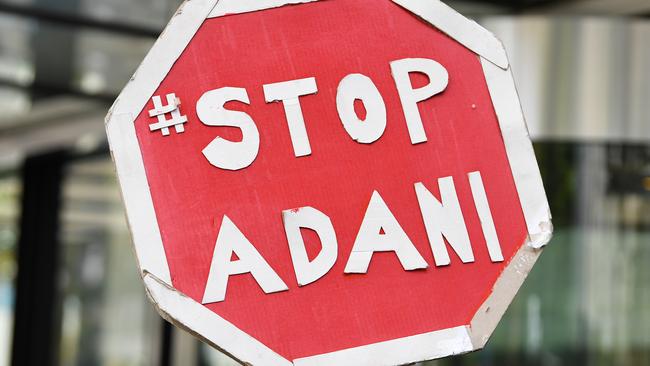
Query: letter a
[370,240]
[231,240]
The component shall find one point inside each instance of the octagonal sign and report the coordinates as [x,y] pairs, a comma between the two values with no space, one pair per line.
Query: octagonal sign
[344,182]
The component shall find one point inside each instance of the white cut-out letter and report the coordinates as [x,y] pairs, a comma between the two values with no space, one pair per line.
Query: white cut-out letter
[222,153]
[289,93]
[446,219]
[370,239]
[359,87]
[485,215]
[438,81]
[310,218]
[231,240]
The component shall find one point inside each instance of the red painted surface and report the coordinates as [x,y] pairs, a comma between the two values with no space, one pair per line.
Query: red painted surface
[329,40]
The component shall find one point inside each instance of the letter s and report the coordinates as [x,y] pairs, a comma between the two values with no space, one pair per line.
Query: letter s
[220,152]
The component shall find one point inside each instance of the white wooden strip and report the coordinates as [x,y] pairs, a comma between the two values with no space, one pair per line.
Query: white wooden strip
[123,141]
[217,331]
[465,31]
[521,155]
[489,314]
[401,351]
[137,197]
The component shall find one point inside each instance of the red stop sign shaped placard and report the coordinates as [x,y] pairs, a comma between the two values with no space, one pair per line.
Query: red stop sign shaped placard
[210,199]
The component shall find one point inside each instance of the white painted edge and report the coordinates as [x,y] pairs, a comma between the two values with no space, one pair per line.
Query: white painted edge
[188,314]
[521,155]
[428,346]
[465,31]
[136,195]
[122,139]
[494,307]
[223,335]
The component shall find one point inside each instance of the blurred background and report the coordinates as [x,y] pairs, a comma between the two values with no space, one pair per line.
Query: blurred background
[69,288]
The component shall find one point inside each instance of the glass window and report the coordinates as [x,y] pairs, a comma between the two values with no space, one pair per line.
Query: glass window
[16,67]
[106,318]
[15,49]
[9,212]
[209,356]
[104,62]
[586,301]
[145,13]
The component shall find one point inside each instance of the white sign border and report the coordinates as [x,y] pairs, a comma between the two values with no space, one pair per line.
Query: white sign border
[189,314]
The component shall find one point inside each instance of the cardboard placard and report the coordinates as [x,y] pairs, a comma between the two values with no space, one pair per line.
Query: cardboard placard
[329,182]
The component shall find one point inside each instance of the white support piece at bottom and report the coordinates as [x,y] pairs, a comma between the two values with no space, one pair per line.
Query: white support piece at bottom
[197,319]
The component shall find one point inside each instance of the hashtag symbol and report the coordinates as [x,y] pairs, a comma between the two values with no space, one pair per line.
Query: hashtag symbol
[161,111]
